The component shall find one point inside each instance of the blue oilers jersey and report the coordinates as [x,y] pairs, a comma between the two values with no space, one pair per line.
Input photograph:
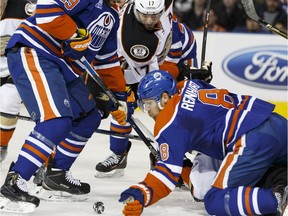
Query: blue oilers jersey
[208,119]
[57,20]
[203,118]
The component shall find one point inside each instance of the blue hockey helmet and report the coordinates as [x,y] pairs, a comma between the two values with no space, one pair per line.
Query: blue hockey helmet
[154,84]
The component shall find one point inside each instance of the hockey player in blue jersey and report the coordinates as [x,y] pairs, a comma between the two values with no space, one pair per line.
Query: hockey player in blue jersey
[241,130]
[43,58]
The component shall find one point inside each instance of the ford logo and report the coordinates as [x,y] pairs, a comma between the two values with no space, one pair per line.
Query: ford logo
[264,67]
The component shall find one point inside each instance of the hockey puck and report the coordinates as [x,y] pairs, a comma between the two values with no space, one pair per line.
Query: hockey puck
[98,207]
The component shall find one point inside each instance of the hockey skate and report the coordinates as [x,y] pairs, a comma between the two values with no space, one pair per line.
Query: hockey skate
[59,185]
[113,166]
[281,194]
[37,180]
[15,197]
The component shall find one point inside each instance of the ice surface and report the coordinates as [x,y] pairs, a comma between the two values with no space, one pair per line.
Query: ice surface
[179,202]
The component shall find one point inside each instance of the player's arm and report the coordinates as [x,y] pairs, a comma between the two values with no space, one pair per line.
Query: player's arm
[143,194]
[160,181]
[55,19]
[171,67]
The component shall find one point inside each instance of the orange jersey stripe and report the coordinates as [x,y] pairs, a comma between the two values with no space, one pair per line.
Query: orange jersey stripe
[45,42]
[218,182]
[121,130]
[35,151]
[48,10]
[163,169]
[62,28]
[247,203]
[48,112]
[75,149]
[179,53]
[235,120]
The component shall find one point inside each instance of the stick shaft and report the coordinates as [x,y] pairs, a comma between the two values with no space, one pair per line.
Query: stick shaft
[205,32]
[100,131]
[21,117]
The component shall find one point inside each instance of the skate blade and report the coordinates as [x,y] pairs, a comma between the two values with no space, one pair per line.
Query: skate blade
[57,196]
[113,174]
[7,206]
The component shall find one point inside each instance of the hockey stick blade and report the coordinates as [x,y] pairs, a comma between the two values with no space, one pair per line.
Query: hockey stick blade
[249,8]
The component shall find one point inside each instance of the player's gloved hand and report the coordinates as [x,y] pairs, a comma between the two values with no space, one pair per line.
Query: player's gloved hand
[135,198]
[76,46]
[120,114]
[187,72]
[128,104]
[131,103]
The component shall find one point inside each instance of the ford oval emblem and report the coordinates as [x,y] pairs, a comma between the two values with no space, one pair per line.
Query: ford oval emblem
[263,66]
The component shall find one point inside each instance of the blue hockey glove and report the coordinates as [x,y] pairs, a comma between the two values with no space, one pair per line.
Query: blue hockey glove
[133,199]
[76,46]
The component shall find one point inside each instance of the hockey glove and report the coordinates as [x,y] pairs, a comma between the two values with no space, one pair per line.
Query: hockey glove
[76,46]
[131,103]
[135,198]
[124,112]
[187,72]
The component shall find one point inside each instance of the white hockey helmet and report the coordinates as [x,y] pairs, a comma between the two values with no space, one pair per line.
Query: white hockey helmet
[147,11]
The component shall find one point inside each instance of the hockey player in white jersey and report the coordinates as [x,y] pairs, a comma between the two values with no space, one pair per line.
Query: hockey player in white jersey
[149,38]
[14,12]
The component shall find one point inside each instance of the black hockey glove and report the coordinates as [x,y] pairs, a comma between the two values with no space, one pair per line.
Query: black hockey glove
[101,98]
[205,73]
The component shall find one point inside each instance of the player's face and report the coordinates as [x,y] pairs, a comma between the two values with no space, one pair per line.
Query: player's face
[149,20]
[151,107]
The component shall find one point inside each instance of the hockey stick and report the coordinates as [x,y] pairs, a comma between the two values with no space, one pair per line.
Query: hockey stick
[100,131]
[21,117]
[205,31]
[93,74]
[145,130]
[251,12]
[128,136]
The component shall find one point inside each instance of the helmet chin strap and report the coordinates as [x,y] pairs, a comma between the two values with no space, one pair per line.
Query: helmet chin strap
[160,106]
[159,103]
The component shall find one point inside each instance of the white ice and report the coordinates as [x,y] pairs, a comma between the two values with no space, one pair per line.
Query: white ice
[108,190]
